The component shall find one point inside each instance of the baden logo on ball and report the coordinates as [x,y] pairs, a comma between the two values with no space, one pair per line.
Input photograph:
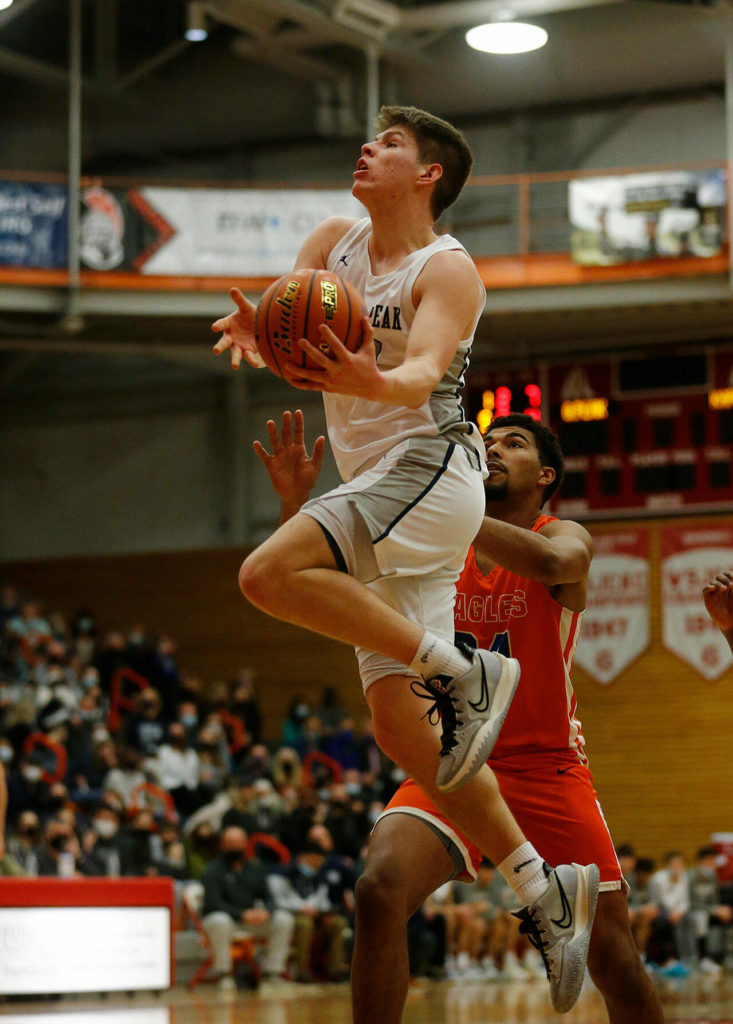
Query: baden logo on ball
[295,306]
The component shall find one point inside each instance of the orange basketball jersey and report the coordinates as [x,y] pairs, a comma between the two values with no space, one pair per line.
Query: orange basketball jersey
[519,618]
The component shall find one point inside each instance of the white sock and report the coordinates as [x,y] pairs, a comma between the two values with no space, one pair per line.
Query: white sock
[436,657]
[523,871]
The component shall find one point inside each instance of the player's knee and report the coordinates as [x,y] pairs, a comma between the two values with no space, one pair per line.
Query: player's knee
[379,893]
[257,581]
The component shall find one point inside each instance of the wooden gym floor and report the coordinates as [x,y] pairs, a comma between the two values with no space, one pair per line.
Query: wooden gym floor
[697,1000]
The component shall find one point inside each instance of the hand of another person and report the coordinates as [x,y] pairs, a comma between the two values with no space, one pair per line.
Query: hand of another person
[238,332]
[292,471]
[718,598]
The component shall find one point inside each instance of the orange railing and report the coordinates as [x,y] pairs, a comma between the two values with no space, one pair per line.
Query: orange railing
[516,227]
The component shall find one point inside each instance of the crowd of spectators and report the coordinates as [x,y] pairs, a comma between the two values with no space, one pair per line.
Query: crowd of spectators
[119,762]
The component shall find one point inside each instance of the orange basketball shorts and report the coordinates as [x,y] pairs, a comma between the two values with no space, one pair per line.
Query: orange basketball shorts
[554,804]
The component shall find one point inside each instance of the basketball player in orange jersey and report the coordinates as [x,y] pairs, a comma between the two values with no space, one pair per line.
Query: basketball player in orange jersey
[523,589]
[374,562]
[718,598]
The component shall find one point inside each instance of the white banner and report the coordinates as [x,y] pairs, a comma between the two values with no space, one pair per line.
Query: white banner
[647,216]
[615,627]
[690,559]
[239,232]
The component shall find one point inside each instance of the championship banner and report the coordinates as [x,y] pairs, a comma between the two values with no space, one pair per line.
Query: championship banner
[615,628]
[33,225]
[247,232]
[690,559]
[647,216]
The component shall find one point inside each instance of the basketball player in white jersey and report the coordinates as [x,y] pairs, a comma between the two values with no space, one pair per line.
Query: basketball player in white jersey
[374,562]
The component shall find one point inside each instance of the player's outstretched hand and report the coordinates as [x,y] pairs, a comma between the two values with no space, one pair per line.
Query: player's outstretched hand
[292,471]
[238,332]
[718,598]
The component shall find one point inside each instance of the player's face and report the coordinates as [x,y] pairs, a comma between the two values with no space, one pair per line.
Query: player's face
[389,163]
[513,462]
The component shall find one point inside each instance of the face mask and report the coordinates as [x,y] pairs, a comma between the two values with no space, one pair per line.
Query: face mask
[189,720]
[105,828]
[233,857]
[307,870]
[353,788]
[32,773]
[6,755]
[58,843]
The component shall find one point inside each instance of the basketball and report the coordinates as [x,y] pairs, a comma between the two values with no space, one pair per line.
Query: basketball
[295,306]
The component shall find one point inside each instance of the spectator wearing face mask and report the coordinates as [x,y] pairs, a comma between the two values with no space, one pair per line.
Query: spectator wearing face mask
[27,789]
[214,763]
[308,888]
[236,896]
[125,775]
[22,843]
[60,853]
[138,846]
[201,846]
[101,844]
[243,703]
[176,769]
[146,729]
[292,730]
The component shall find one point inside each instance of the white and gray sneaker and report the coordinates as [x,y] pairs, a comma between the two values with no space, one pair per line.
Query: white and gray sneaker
[472,708]
[559,926]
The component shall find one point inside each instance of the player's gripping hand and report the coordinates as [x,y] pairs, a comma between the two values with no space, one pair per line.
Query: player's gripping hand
[292,471]
[718,598]
[238,332]
[339,371]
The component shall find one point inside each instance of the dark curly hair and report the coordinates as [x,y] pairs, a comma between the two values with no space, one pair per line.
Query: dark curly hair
[548,446]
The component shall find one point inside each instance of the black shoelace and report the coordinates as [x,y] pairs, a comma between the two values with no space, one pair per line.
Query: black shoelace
[528,926]
[442,709]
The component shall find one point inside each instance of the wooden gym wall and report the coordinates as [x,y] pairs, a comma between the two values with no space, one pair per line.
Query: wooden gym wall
[658,736]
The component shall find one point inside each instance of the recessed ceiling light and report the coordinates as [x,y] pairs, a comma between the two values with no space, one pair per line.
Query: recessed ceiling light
[506,37]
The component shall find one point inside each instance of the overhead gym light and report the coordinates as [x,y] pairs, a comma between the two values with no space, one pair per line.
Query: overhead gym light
[196,27]
[506,37]
[4,4]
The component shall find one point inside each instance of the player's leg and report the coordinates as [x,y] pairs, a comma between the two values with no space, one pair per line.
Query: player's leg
[409,519]
[560,814]
[616,967]
[406,861]
[477,809]
[559,902]
[294,576]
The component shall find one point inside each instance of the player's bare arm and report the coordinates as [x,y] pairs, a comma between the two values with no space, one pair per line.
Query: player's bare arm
[292,471]
[718,598]
[237,328]
[558,555]
[448,296]
[319,244]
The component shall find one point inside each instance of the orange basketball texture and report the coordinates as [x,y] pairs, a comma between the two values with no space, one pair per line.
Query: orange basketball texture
[294,306]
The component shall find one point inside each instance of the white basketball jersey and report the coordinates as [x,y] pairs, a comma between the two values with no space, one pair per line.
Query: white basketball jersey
[362,431]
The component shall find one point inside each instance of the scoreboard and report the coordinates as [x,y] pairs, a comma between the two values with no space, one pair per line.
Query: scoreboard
[651,434]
